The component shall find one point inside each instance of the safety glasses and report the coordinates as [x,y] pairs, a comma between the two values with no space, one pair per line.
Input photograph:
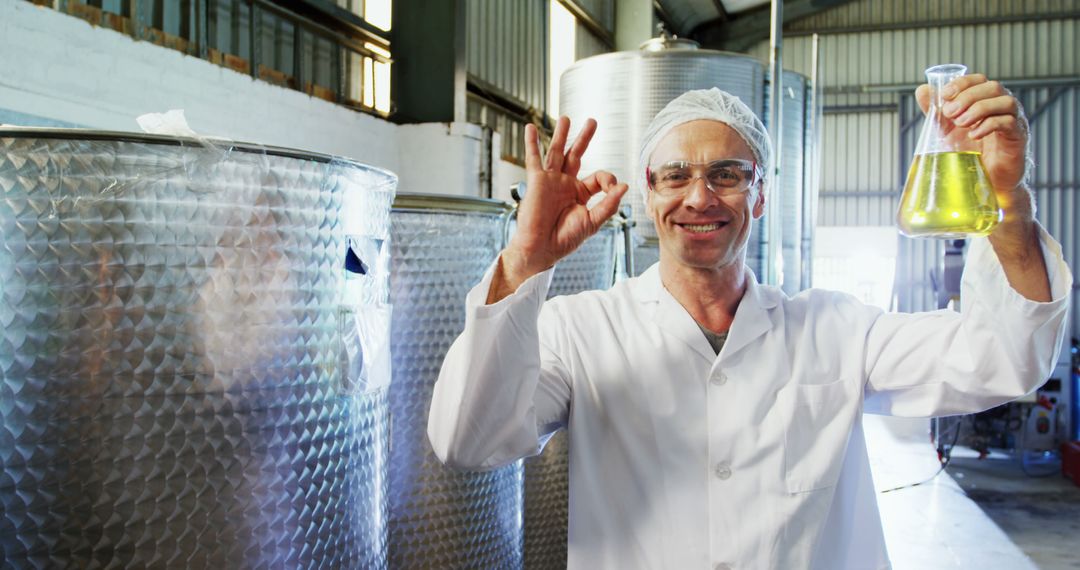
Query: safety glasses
[725,176]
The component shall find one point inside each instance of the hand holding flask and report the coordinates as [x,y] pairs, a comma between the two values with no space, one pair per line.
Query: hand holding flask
[948,193]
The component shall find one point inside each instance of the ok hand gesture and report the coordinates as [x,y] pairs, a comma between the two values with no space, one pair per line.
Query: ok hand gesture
[553,219]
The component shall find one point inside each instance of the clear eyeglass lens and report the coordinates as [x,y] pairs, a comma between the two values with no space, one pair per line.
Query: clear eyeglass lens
[727,176]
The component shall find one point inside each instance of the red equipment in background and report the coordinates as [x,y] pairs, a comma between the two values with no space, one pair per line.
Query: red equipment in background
[1070,461]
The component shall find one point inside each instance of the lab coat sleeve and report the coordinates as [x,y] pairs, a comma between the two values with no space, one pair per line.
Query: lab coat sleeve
[998,348]
[502,389]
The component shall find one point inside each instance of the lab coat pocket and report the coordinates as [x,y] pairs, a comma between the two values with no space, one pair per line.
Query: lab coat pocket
[817,435]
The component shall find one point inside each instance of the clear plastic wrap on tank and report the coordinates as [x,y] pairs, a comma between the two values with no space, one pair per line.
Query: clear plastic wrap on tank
[174,367]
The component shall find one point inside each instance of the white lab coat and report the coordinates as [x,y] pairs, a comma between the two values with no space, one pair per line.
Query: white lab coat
[755,458]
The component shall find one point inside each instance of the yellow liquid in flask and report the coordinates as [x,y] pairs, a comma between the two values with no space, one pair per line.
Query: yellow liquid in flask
[948,195]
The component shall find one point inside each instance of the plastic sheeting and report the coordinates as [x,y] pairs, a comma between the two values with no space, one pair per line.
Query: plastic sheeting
[172,369]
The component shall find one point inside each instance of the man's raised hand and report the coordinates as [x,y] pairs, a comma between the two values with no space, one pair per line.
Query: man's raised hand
[553,218]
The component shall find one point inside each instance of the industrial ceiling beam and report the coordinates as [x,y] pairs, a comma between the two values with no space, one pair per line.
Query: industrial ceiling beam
[724,16]
[742,31]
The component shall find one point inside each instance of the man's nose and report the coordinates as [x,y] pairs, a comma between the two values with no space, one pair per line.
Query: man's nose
[701,193]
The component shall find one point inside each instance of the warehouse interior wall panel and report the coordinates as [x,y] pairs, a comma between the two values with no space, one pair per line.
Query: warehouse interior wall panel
[863,74]
[858,169]
[882,13]
[506,46]
[1055,178]
[587,44]
[603,11]
[848,61]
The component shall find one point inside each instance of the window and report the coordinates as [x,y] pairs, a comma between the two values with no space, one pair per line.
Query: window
[562,49]
[338,51]
[856,260]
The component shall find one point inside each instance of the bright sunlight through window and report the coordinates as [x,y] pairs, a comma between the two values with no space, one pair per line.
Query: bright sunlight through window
[377,81]
[377,13]
[562,45]
[856,260]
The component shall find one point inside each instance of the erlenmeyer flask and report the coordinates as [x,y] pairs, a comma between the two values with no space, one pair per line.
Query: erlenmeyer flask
[947,194]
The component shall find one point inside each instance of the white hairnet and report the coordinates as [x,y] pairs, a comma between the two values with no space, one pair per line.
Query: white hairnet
[710,104]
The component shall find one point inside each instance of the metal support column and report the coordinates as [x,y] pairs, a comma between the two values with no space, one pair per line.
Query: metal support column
[773,242]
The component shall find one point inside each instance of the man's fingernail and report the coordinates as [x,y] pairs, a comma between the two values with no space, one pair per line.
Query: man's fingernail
[949,92]
[950,108]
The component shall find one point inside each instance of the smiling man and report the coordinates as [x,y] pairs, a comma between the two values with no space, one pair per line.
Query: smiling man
[715,422]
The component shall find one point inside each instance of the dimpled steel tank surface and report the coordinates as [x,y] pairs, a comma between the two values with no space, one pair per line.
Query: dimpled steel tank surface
[547,476]
[439,517]
[171,386]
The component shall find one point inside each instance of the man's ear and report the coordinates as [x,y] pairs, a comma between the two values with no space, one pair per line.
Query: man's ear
[759,204]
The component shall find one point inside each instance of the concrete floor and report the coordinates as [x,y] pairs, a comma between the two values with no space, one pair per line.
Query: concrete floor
[983,514]
[932,526]
[1041,515]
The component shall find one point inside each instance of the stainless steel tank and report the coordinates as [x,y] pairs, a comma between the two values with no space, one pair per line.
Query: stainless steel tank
[790,187]
[792,181]
[439,517]
[547,478]
[174,386]
[623,91]
[646,254]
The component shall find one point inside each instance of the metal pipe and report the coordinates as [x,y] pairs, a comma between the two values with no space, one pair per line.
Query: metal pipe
[628,242]
[461,65]
[773,268]
[851,109]
[812,175]
[897,26]
[1020,83]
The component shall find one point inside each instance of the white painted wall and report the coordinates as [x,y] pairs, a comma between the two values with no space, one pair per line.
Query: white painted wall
[57,70]
[440,158]
[61,68]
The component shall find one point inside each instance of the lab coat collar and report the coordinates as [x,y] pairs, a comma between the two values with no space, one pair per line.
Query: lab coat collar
[752,318]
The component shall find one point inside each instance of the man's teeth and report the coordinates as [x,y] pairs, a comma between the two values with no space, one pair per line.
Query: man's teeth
[702,228]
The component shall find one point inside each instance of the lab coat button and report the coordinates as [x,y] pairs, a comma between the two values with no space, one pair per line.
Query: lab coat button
[722,471]
[722,566]
[719,379]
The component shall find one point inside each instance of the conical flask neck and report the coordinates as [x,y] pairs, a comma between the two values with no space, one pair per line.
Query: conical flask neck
[939,76]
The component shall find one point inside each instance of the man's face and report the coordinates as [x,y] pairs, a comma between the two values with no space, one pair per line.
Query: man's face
[700,228]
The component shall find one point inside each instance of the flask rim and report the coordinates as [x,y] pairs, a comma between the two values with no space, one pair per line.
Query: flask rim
[946,70]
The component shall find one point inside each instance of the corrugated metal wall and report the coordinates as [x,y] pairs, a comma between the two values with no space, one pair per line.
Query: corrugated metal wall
[588,44]
[507,43]
[849,61]
[506,46]
[893,13]
[861,71]
[1055,116]
[603,11]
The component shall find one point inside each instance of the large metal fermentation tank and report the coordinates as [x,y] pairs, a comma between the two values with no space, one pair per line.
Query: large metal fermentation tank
[646,254]
[173,385]
[547,480]
[791,187]
[623,91]
[792,183]
[440,517]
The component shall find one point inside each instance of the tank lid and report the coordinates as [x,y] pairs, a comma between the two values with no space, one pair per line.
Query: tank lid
[666,43]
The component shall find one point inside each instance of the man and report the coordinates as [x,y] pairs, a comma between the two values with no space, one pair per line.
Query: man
[715,422]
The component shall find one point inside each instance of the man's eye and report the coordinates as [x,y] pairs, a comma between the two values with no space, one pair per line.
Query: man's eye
[674,176]
[725,175]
